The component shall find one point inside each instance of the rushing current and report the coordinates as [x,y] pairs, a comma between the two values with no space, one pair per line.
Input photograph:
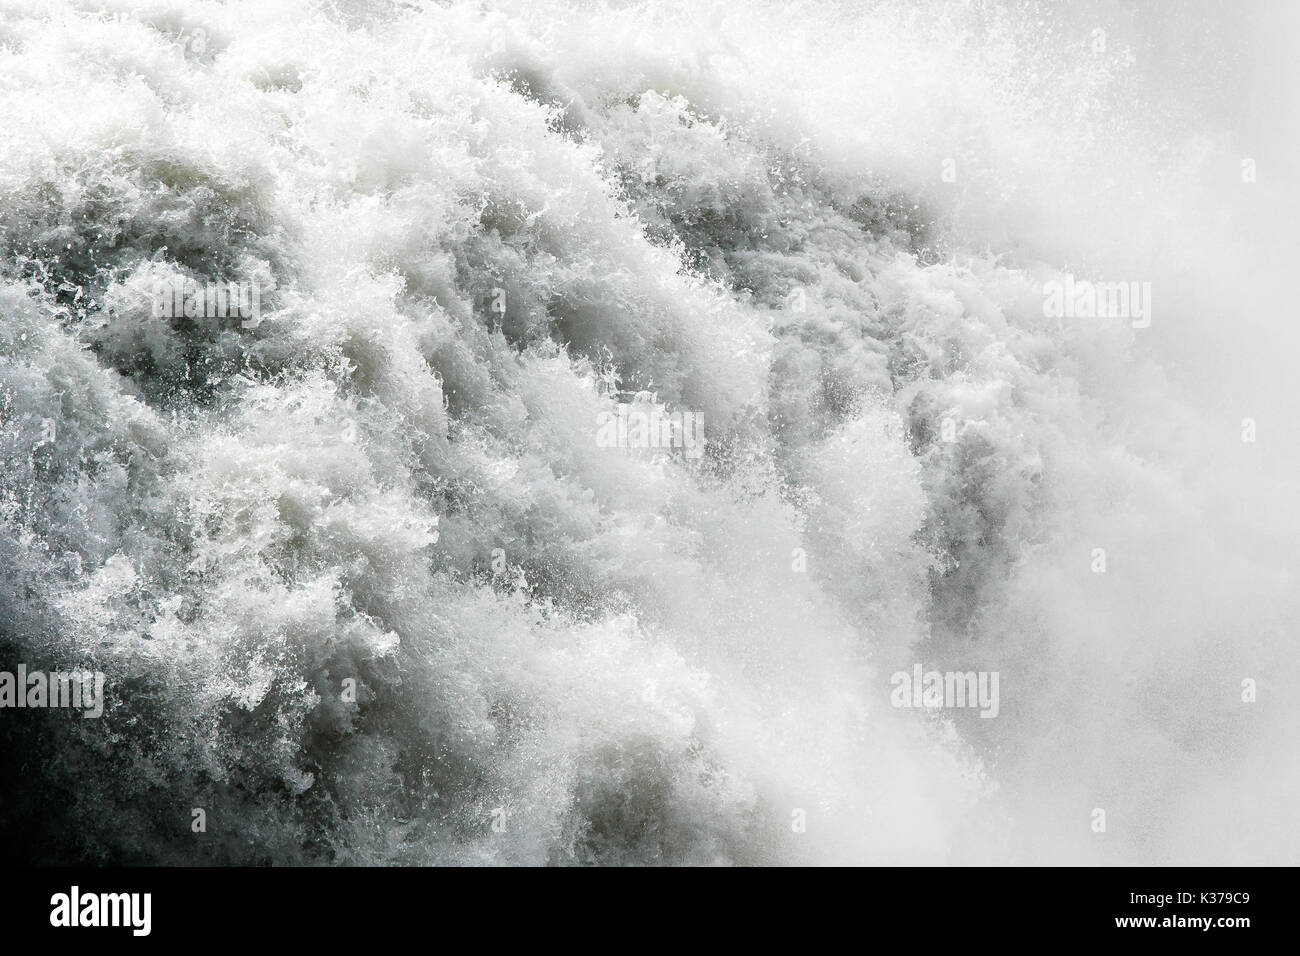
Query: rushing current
[371,577]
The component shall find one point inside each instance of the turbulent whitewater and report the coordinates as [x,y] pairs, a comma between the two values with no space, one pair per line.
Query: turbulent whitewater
[366,588]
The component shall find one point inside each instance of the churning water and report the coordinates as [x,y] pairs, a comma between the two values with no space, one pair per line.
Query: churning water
[389,571]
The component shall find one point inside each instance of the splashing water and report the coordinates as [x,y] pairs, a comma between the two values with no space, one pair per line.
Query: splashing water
[366,587]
